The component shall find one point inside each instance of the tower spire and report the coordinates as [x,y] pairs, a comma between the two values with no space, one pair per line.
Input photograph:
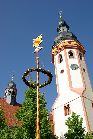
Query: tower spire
[12,78]
[11,92]
[63,30]
[60,15]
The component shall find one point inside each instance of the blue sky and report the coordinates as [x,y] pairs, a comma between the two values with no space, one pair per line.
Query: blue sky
[23,20]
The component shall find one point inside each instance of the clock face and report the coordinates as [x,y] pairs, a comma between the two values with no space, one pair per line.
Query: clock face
[74,66]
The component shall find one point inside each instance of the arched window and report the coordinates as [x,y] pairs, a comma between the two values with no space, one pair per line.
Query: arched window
[71,54]
[60,58]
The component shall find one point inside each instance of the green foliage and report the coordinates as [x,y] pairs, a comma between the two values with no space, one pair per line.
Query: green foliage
[4,129]
[27,116]
[75,129]
[5,133]
[2,120]
[89,136]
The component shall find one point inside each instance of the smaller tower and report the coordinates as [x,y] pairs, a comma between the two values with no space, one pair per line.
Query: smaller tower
[11,92]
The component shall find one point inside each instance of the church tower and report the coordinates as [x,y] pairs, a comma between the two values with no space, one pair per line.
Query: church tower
[10,93]
[72,81]
[9,104]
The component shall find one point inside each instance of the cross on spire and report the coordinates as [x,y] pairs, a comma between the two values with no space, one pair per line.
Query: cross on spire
[60,15]
[12,78]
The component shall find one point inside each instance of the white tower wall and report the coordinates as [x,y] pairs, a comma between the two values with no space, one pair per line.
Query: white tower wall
[59,118]
[74,88]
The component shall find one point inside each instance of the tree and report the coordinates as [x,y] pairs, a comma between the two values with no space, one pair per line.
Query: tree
[89,136]
[2,120]
[27,116]
[75,129]
[4,129]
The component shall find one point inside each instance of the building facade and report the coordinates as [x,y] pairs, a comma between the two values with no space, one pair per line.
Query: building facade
[73,84]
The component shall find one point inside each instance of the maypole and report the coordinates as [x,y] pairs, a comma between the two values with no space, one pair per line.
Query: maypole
[36,43]
[38,117]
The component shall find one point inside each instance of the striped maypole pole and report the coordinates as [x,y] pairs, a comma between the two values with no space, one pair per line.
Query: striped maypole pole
[38,118]
[36,43]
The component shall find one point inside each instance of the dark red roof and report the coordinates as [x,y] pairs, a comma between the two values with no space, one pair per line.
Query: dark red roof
[9,112]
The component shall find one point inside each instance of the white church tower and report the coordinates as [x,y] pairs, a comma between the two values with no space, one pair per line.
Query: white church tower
[72,80]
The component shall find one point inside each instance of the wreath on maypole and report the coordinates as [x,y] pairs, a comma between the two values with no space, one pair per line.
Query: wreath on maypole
[36,42]
[33,84]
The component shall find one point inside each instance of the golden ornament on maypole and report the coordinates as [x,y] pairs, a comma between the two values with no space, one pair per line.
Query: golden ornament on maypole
[36,43]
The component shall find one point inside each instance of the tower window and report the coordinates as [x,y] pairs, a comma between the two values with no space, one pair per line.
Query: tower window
[80,55]
[92,104]
[83,69]
[71,55]
[61,71]
[66,110]
[60,58]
